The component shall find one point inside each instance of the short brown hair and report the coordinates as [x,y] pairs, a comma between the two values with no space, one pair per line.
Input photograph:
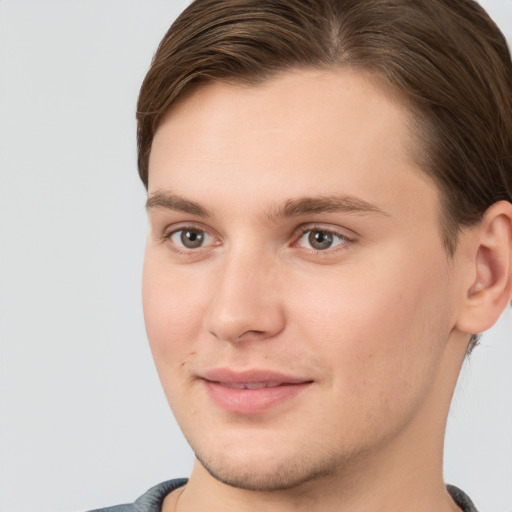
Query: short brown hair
[447,58]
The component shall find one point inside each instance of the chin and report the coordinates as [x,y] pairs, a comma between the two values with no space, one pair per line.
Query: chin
[265,474]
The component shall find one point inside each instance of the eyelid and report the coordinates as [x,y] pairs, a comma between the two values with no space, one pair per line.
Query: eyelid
[172,229]
[348,236]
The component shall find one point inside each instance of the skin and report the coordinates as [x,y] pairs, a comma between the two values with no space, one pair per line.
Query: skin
[372,322]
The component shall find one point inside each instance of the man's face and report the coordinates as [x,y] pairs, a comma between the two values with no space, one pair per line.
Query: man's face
[297,296]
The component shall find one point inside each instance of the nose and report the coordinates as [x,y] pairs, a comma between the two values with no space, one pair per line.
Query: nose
[246,303]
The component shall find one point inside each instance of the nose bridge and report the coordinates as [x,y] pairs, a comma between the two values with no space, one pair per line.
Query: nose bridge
[245,303]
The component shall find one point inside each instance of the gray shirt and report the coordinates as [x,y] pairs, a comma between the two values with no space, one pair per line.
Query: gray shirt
[151,501]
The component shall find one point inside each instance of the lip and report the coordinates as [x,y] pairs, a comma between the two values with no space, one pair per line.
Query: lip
[251,391]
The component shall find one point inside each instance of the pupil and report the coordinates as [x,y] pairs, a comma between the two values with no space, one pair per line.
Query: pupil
[192,239]
[320,239]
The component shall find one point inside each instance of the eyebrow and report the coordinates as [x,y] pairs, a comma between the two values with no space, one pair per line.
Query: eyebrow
[176,203]
[325,204]
[291,207]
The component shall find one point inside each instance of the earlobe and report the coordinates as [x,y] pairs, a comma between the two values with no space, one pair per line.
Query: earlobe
[491,288]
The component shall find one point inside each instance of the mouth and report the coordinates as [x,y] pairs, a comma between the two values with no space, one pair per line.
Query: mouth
[251,385]
[252,392]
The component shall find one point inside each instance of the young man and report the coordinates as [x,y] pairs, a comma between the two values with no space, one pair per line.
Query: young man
[330,203]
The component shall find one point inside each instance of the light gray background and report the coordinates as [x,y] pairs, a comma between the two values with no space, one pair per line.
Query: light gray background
[83,422]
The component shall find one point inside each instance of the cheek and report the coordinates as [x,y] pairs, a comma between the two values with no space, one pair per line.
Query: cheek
[381,348]
[172,312]
[381,324]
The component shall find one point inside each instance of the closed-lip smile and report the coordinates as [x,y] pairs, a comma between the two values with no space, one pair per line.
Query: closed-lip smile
[251,391]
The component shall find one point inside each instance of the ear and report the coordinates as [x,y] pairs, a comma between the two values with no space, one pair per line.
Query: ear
[490,285]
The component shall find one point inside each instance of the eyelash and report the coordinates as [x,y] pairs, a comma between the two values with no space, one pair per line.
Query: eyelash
[167,237]
[297,236]
[345,240]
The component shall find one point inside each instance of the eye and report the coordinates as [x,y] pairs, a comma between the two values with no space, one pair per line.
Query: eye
[189,238]
[321,239]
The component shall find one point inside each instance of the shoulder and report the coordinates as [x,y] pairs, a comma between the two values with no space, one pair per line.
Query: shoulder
[461,499]
[150,501]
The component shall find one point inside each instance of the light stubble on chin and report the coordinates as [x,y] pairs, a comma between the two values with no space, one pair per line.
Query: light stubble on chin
[286,475]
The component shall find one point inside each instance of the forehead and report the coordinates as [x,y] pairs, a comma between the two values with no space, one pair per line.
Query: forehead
[313,131]
[290,101]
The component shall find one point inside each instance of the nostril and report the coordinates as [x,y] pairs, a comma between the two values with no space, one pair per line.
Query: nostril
[236,338]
